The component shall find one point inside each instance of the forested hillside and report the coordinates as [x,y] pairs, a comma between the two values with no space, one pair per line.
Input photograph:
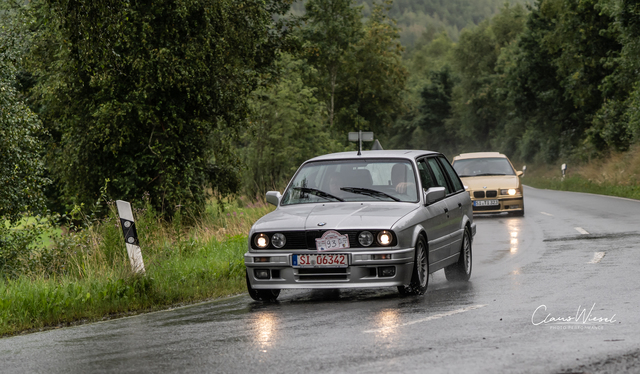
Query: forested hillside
[415,17]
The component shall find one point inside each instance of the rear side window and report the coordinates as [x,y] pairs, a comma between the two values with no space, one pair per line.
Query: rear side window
[453,176]
[441,180]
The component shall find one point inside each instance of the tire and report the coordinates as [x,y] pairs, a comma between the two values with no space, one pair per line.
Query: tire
[420,275]
[461,270]
[261,295]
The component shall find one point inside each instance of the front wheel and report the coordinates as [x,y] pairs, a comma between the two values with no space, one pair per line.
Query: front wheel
[461,270]
[420,275]
[261,295]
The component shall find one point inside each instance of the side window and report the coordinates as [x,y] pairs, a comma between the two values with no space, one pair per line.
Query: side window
[441,180]
[453,176]
[425,175]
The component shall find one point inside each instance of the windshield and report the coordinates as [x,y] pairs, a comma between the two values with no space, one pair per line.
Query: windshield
[476,167]
[353,180]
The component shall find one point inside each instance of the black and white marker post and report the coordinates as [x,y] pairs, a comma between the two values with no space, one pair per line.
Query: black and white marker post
[130,235]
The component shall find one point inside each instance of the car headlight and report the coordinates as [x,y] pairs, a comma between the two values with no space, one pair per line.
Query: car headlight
[261,241]
[278,240]
[385,237]
[510,191]
[365,238]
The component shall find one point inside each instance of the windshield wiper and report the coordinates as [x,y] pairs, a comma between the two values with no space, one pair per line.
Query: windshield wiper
[318,193]
[368,192]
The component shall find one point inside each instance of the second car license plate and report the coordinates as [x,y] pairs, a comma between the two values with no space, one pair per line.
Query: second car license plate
[322,260]
[486,202]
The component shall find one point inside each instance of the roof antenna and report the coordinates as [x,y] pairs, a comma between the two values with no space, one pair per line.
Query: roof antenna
[360,137]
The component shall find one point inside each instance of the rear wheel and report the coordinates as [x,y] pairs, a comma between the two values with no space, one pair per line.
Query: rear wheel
[461,270]
[420,275]
[261,295]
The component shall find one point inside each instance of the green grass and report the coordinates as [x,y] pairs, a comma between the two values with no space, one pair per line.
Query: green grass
[86,276]
[577,183]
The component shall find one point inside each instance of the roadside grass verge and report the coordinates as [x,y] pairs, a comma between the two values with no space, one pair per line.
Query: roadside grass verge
[615,175]
[85,275]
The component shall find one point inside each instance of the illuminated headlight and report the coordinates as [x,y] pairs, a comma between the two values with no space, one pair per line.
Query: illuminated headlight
[385,237]
[261,241]
[278,240]
[365,238]
[510,191]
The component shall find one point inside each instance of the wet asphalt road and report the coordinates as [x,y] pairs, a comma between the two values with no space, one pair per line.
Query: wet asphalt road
[571,252]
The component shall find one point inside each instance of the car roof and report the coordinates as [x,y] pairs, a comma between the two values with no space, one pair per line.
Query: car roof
[463,156]
[408,154]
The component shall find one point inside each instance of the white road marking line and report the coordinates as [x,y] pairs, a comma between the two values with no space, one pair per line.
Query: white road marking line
[596,257]
[547,214]
[581,230]
[430,318]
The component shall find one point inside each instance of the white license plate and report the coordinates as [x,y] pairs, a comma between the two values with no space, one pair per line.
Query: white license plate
[332,240]
[486,202]
[323,260]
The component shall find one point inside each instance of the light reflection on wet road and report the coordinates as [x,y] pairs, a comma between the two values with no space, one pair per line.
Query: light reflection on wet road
[481,326]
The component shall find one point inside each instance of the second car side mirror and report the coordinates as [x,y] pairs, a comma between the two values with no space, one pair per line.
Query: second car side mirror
[273,197]
[433,194]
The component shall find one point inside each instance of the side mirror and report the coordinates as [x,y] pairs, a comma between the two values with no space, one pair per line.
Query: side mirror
[433,194]
[273,197]
[519,173]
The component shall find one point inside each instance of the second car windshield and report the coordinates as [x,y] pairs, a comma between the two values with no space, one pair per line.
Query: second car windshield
[476,167]
[353,180]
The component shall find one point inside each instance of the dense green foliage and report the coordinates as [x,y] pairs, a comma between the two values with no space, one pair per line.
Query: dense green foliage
[21,169]
[149,94]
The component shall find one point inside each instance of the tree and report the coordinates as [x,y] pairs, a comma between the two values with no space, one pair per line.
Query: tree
[21,166]
[287,128]
[373,78]
[332,29]
[150,95]
[478,109]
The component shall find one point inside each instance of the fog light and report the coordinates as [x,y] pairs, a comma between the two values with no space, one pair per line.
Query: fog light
[262,259]
[385,256]
[261,273]
[387,271]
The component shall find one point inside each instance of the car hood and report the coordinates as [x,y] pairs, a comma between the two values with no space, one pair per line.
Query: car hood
[491,182]
[335,216]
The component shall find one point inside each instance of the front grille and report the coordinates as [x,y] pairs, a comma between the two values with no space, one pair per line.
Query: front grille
[492,193]
[478,194]
[322,274]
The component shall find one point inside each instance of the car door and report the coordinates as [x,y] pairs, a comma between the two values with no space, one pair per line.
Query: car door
[450,201]
[458,203]
[435,218]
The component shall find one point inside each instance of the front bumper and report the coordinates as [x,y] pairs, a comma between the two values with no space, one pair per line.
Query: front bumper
[506,204]
[363,270]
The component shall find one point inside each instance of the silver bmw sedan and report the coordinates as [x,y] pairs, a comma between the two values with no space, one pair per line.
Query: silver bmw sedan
[378,219]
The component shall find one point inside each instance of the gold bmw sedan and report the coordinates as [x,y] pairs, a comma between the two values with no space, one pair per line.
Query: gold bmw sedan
[492,182]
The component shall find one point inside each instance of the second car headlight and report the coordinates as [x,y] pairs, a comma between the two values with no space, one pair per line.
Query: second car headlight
[278,240]
[510,191]
[365,238]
